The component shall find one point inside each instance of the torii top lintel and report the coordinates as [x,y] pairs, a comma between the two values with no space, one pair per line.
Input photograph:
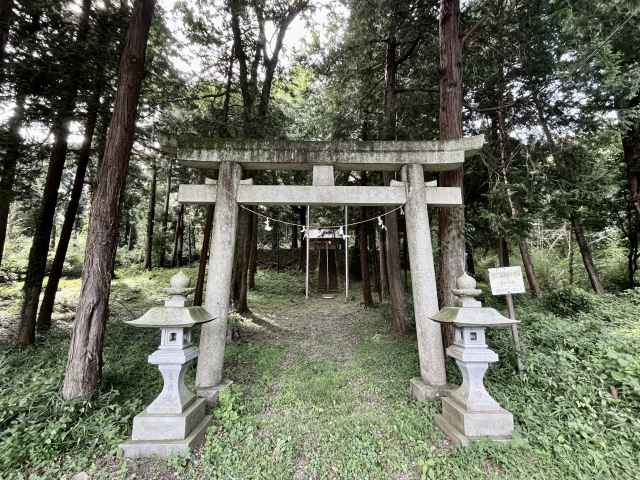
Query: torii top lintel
[370,155]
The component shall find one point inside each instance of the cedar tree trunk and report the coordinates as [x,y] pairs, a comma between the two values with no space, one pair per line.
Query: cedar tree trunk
[367,299]
[204,255]
[253,254]
[165,214]
[6,14]
[8,168]
[532,279]
[151,213]
[587,258]
[450,220]
[84,365]
[48,301]
[44,223]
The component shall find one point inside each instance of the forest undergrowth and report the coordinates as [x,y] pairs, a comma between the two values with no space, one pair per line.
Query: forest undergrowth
[321,391]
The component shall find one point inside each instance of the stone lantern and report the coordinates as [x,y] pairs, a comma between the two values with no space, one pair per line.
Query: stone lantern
[469,412]
[175,422]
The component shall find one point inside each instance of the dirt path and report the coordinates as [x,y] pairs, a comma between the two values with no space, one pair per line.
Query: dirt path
[320,328]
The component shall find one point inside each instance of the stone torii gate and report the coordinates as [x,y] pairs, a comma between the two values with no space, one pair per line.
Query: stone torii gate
[411,158]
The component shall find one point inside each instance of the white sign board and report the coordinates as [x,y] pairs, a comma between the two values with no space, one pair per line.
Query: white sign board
[506,280]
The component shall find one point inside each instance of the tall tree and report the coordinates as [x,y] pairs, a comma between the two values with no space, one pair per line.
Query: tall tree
[48,300]
[363,246]
[393,268]
[6,14]
[450,220]
[8,167]
[151,213]
[204,255]
[44,223]
[165,214]
[256,98]
[84,365]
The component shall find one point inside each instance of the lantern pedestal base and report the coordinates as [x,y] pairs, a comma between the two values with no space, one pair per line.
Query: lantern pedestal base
[167,448]
[463,426]
[422,391]
[150,426]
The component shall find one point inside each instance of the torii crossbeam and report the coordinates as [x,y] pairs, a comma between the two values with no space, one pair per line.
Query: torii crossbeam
[411,158]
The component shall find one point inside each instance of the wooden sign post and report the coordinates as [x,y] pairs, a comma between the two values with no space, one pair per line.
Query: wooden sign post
[507,281]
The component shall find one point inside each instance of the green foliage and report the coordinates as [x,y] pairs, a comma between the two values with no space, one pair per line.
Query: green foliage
[336,406]
[576,407]
[569,301]
[46,437]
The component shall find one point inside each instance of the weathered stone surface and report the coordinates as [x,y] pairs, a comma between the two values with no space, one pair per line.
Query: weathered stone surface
[323,176]
[469,412]
[167,448]
[494,423]
[423,281]
[175,395]
[149,426]
[211,394]
[373,155]
[422,392]
[321,195]
[223,240]
[175,421]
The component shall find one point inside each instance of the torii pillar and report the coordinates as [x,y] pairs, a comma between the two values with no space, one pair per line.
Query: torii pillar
[213,335]
[411,157]
[432,382]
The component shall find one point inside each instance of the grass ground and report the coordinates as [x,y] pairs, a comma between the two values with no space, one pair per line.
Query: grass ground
[321,391]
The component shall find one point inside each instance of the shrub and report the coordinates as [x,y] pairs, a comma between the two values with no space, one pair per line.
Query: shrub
[569,301]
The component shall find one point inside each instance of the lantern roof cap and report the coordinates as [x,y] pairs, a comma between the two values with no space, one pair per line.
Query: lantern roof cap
[172,317]
[473,317]
[177,311]
[471,313]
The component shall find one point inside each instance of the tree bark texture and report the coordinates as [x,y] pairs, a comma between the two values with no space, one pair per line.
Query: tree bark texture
[363,244]
[165,214]
[253,256]
[631,155]
[204,255]
[375,260]
[450,220]
[151,214]
[503,252]
[8,168]
[382,255]
[84,365]
[6,17]
[37,262]
[394,270]
[48,301]
[241,264]
[587,258]
[176,258]
[527,261]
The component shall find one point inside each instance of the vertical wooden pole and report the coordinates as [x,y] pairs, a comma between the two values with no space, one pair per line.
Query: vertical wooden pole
[306,278]
[514,333]
[346,253]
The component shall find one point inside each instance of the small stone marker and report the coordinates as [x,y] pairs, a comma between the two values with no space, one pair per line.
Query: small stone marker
[469,412]
[507,281]
[175,422]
